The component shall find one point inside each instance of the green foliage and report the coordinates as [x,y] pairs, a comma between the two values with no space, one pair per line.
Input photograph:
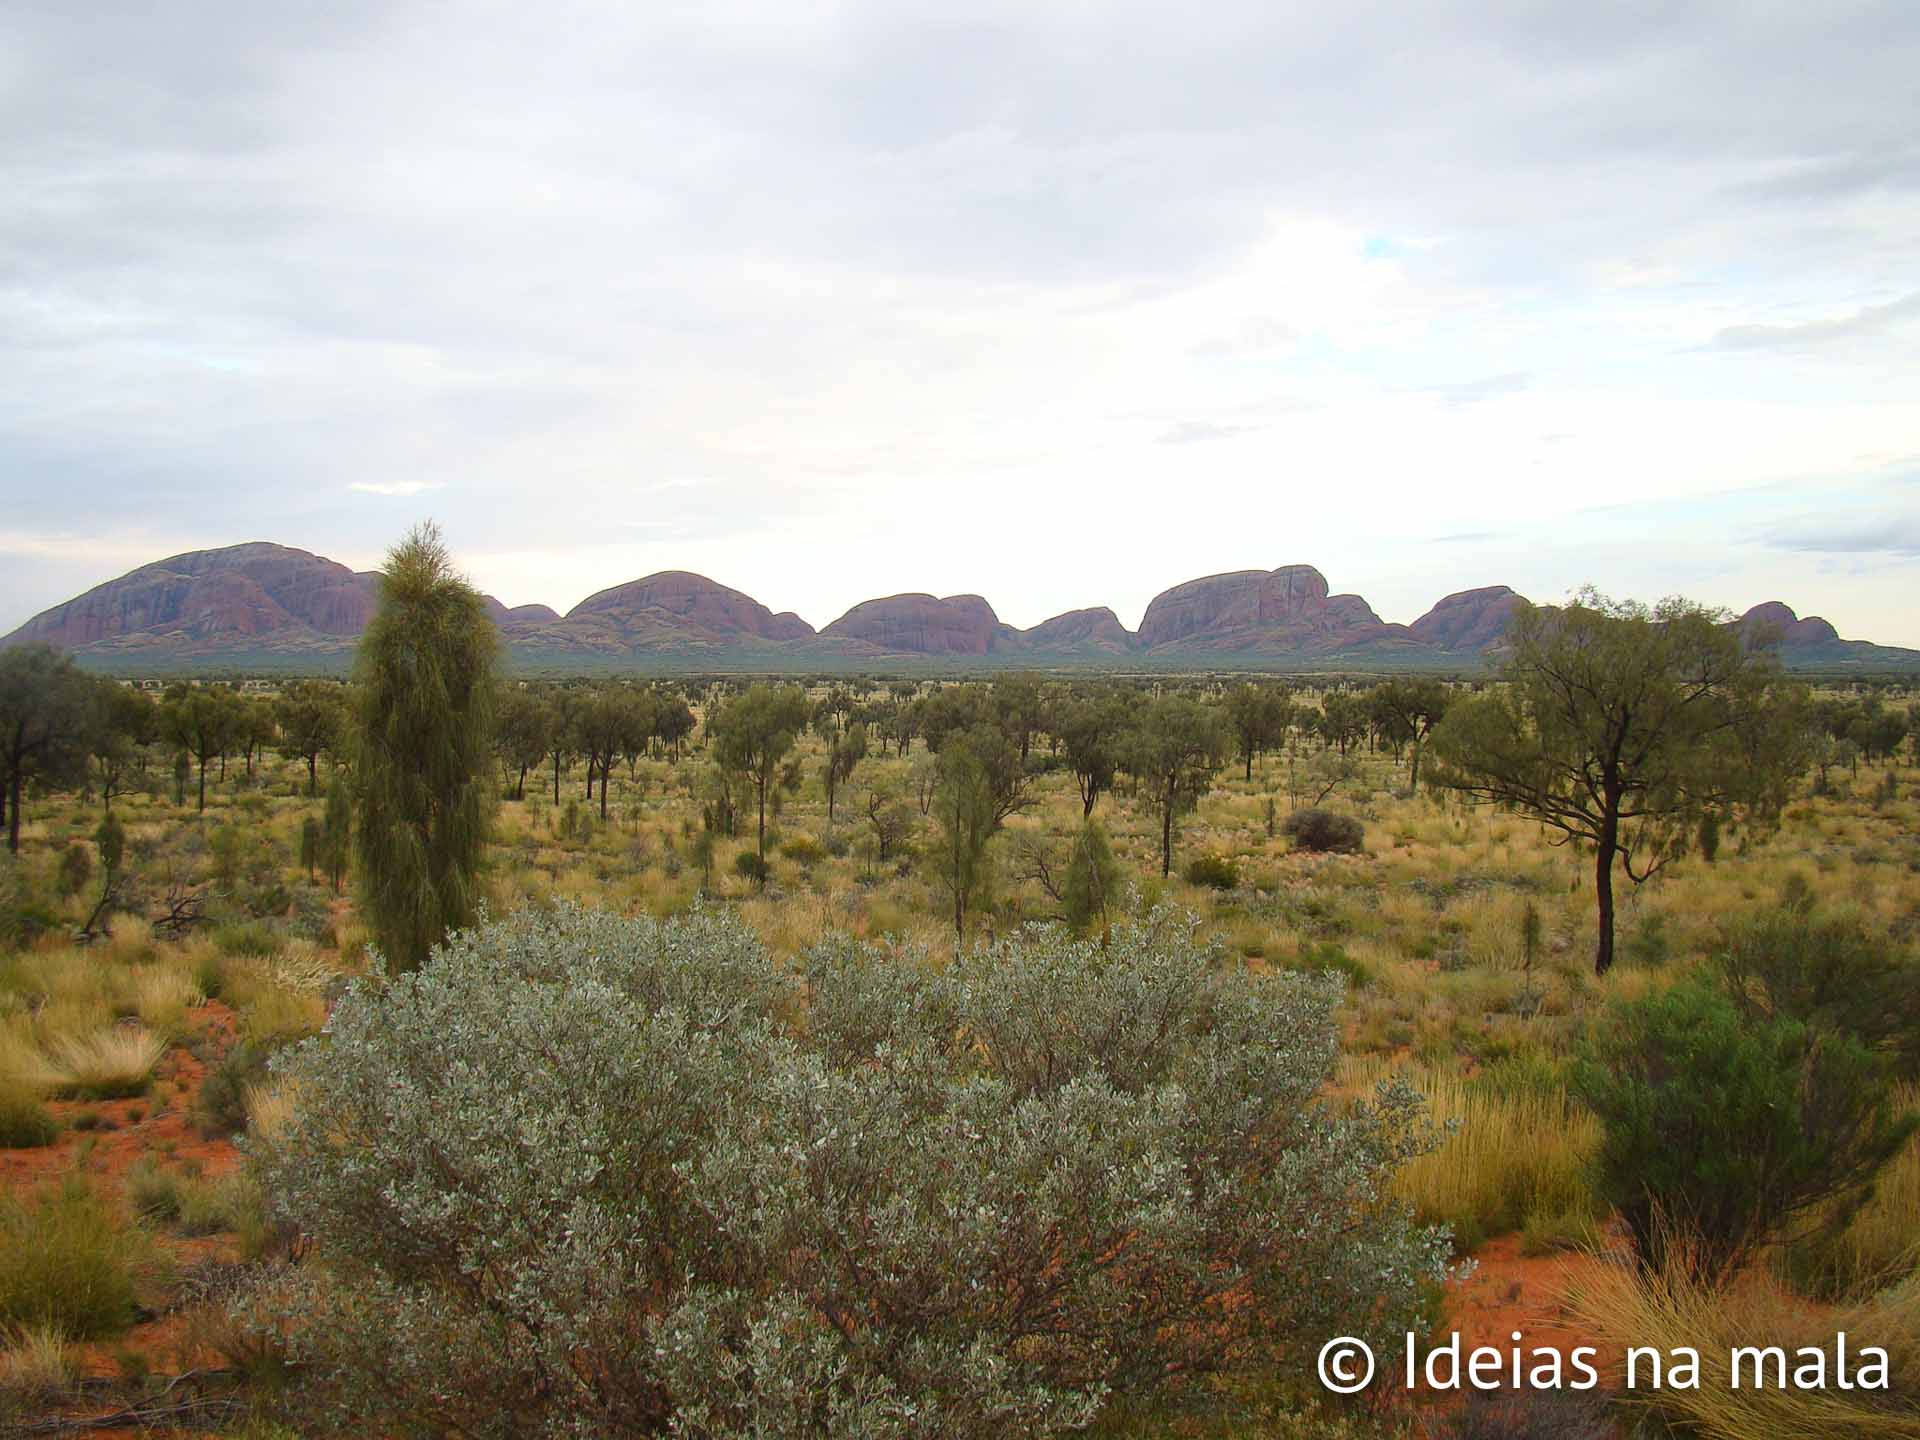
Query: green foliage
[1830,973]
[1708,839]
[336,832]
[964,1201]
[220,1108]
[76,868]
[748,865]
[45,705]
[1648,944]
[24,1121]
[110,839]
[1215,872]
[1328,957]
[967,818]
[422,752]
[804,851]
[1323,830]
[1174,750]
[1722,1128]
[1623,728]
[752,735]
[66,1262]
[1092,885]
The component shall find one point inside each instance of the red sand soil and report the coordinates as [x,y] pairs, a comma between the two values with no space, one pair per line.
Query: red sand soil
[166,1132]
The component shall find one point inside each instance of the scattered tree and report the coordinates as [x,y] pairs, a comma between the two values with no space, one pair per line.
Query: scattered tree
[1621,728]
[1174,751]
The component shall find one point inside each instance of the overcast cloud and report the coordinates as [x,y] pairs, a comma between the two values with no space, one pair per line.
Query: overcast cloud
[1059,303]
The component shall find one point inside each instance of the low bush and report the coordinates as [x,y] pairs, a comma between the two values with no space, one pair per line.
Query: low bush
[24,1121]
[749,866]
[67,1263]
[804,851]
[1724,1130]
[1216,872]
[1322,830]
[1329,957]
[221,1106]
[1828,971]
[964,1201]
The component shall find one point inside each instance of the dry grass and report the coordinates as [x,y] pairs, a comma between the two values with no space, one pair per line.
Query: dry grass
[107,1064]
[269,1109]
[1515,1161]
[1665,1311]
[36,1365]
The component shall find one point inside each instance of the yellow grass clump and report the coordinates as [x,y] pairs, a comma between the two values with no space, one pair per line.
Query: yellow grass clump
[1665,1311]
[107,1064]
[36,1364]
[1514,1160]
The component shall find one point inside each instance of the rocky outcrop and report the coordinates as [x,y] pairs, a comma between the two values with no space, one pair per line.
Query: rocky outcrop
[671,610]
[520,614]
[690,602]
[251,592]
[1778,621]
[925,625]
[1096,631]
[1288,610]
[276,607]
[1469,620]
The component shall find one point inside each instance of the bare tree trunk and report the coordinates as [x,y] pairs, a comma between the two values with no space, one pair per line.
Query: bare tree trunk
[1603,888]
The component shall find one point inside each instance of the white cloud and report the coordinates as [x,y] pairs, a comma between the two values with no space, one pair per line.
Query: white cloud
[397,489]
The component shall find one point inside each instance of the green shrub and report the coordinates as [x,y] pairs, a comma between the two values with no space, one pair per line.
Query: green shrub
[1216,872]
[76,868]
[1030,1175]
[1092,886]
[804,851]
[1829,972]
[221,1106]
[24,1121]
[1324,831]
[749,866]
[67,1263]
[1647,943]
[1720,1128]
[251,937]
[1329,957]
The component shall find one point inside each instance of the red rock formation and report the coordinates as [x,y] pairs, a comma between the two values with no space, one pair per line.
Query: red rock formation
[1793,633]
[1467,619]
[1281,610]
[925,625]
[677,599]
[1095,631]
[253,590]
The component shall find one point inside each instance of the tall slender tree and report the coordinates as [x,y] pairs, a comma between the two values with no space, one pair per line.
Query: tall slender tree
[423,741]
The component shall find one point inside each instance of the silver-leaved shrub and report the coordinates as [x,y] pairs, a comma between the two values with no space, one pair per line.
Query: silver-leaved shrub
[590,1175]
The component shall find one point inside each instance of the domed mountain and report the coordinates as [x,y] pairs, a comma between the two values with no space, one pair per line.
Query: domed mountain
[255,595]
[1284,611]
[920,624]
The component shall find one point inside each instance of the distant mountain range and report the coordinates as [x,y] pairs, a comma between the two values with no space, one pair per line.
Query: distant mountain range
[269,607]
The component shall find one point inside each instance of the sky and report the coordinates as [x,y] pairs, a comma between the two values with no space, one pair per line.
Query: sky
[1057,303]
